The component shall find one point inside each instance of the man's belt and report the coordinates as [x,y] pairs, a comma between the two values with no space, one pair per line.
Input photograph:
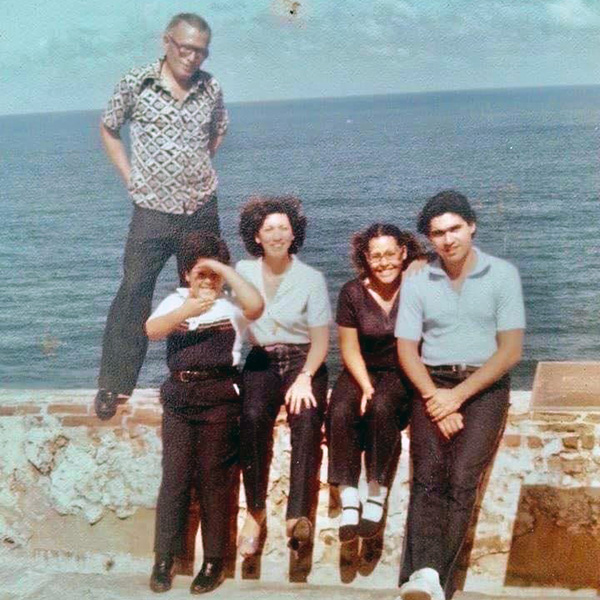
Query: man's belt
[460,369]
[203,374]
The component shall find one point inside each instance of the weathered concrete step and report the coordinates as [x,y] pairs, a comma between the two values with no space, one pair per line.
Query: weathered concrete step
[24,583]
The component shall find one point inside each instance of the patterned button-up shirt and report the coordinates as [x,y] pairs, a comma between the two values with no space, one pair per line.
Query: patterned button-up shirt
[171,170]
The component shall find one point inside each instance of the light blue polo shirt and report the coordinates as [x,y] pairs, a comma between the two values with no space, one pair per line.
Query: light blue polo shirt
[459,327]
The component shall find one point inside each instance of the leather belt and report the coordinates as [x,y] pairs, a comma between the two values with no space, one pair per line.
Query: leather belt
[460,369]
[203,374]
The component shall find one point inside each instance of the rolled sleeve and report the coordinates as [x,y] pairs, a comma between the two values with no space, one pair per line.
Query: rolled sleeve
[318,310]
[409,323]
[511,309]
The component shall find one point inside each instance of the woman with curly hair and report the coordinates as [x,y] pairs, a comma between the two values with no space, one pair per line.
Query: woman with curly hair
[285,365]
[370,403]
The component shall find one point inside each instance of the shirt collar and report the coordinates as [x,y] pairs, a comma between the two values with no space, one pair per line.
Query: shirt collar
[152,75]
[483,262]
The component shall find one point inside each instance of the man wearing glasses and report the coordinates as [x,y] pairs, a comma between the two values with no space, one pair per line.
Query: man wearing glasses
[177,122]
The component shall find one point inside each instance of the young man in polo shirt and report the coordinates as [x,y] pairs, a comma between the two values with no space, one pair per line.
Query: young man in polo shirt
[466,308]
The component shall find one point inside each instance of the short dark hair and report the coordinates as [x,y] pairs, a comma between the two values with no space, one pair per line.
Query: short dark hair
[197,245]
[192,19]
[258,208]
[361,239]
[447,201]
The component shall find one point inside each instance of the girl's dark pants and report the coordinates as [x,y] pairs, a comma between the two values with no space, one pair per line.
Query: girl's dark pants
[377,432]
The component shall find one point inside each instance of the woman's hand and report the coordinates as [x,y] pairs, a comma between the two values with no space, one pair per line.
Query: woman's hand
[300,394]
[368,392]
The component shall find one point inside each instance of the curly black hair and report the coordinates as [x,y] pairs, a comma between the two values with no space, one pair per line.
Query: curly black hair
[361,239]
[258,208]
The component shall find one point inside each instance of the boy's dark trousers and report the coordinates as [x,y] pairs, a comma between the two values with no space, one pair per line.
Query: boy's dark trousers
[200,448]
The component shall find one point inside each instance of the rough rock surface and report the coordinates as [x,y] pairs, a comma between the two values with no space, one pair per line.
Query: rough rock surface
[67,478]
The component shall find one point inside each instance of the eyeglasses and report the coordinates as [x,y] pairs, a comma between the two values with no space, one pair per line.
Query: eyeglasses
[185,50]
[378,257]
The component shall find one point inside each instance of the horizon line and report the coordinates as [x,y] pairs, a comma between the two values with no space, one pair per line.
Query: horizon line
[316,98]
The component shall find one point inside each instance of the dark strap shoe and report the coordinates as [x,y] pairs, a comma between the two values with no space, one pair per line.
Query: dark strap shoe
[210,576]
[369,529]
[161,579]
[105,404]
[348,533]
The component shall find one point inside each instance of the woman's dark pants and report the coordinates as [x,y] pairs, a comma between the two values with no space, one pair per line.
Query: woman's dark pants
[267,376]
[377,432]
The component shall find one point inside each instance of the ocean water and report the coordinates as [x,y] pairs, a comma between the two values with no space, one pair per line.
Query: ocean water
[528,159]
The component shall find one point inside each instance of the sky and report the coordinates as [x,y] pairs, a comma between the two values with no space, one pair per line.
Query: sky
[58,55]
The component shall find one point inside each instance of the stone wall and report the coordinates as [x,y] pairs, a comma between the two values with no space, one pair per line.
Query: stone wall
[74,487]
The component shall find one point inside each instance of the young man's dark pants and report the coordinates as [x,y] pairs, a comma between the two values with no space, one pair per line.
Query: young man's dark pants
[153,238]
[447,476]
[201,449]
[377,432]
[267,376]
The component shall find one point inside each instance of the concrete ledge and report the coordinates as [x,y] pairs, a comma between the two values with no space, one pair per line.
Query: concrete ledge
[82,492]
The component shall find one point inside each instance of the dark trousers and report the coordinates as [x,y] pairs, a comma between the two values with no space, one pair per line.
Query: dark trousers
[200,449]
[153,238]
[266,378]
[447,476]
[377,432]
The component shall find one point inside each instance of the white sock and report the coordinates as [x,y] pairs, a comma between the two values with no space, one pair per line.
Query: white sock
[373,511]
[350,504]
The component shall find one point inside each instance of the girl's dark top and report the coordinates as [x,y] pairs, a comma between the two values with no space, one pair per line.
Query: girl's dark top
[358,309]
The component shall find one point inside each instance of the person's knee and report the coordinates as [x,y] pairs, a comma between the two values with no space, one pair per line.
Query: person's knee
[382,410]
[341,412]
[254,416]
[306,424]
[429,477]
[463,481]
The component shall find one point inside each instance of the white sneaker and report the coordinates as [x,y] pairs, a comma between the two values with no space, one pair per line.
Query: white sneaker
[423,584]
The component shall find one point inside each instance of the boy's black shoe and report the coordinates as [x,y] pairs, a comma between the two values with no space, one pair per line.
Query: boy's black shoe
[210,576]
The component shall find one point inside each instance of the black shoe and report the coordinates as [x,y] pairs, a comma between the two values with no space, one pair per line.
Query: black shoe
[210,576]
[105,404]
[367,528]
[347,533]
[162,575]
